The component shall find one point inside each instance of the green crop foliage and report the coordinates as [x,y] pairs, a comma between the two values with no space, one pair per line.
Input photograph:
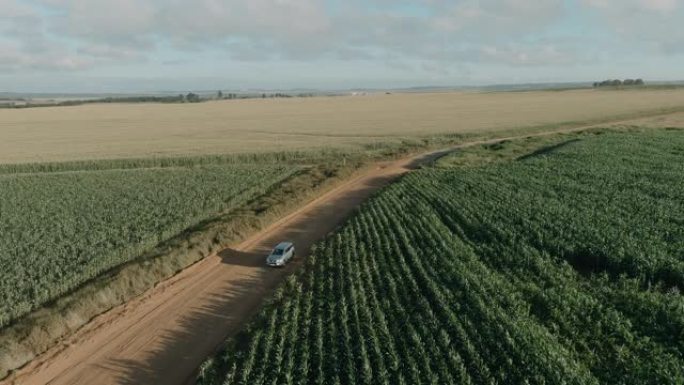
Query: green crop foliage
[561,268]
[61,229]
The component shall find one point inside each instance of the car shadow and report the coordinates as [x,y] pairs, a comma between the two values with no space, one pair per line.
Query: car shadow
[428,159]
[241,258]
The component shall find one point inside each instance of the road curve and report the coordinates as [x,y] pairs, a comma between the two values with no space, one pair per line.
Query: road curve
[162,336]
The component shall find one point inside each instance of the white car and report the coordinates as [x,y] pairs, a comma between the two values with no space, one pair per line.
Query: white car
[281,254]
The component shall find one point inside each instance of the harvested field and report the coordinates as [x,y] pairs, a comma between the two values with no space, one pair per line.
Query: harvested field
[138,130]
[662,121]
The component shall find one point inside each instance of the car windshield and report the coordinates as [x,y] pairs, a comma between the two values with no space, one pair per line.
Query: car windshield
[277,252]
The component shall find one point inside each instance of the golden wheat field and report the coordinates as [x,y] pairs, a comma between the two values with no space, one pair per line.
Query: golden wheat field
[99,131]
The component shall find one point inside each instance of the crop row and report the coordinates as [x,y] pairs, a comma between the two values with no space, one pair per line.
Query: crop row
[532,272]
[60,229]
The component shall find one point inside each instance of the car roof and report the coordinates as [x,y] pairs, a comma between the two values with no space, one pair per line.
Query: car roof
[283,245]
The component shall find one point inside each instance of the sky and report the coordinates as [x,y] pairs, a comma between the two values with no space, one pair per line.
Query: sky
[169,45]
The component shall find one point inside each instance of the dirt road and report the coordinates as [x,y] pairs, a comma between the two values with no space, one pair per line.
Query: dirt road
[162,336]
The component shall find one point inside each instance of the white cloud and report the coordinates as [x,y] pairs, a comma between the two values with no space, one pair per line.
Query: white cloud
[292,29]
[634,5]
[529,55]
[497,15]
[650,25]
[14,58]
[660,5]
[25,46]
[131,21]
[416,37]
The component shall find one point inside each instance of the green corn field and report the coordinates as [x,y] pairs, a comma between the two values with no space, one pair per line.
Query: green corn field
[62,225]
[563,267]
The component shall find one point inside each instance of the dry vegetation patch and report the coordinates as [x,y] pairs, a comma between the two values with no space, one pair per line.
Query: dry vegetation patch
[136,130]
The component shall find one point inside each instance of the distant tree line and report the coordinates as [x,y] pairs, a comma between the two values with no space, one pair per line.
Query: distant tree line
[618,83]
[221,96]
[139,99]
[190,97]
[22,103]
[194,98]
